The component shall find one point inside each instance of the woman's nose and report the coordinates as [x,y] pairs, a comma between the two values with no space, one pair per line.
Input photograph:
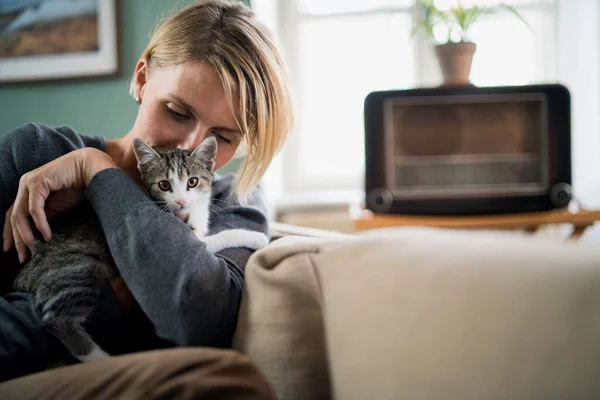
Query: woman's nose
[193,140]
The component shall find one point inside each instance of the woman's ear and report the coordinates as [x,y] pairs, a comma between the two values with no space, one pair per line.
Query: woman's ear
[141,77]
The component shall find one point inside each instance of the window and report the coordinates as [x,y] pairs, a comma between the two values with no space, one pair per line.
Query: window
[339,51]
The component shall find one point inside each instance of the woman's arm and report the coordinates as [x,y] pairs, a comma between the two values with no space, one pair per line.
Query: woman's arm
[59,182]
[191,296]
[25,149]
[29,147]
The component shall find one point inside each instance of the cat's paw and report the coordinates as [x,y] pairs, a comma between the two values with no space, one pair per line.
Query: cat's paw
[213,244]
[257,241]
[235,238]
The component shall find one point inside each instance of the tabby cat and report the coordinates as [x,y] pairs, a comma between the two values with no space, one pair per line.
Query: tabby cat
[68,273]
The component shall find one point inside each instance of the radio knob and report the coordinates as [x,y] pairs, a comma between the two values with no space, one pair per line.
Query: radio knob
[380,200]
[561,195]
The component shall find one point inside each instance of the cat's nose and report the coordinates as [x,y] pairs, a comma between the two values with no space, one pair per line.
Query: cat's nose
[181,202]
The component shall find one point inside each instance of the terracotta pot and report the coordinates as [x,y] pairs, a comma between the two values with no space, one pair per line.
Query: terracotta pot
[455,62]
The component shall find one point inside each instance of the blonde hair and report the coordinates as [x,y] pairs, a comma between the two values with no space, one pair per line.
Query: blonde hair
[226,36]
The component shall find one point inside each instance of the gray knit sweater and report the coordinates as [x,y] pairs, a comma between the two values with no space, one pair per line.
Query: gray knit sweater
[190,295]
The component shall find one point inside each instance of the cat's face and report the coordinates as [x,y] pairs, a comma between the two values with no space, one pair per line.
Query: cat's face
[177,179]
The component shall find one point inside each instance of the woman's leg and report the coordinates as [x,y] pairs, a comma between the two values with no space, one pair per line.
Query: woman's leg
[25,346]
[183,373]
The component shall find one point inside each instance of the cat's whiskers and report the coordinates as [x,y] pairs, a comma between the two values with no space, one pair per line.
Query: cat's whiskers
[216,211]
[219,200]
[162,204]
[166,208]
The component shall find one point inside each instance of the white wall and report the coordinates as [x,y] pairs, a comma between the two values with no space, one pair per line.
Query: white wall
[579,70]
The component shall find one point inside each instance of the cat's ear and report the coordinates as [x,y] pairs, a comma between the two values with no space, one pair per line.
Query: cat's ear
[206,152]
[144,153]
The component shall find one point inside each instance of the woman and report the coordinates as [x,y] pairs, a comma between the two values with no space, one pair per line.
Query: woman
[209,70]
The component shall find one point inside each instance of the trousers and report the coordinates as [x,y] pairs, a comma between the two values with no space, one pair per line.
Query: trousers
[181,373]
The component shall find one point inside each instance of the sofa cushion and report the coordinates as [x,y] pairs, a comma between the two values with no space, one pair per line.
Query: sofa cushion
[425,314]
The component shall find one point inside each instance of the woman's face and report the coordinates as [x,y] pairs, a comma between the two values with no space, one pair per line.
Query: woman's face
[182,105]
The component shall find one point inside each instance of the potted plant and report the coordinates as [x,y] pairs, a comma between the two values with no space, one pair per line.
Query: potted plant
[455,54]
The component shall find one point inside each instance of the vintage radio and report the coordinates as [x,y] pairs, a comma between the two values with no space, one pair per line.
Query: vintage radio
[468,150]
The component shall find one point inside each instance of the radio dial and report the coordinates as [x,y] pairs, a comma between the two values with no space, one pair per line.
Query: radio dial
[561,195]
[380,200]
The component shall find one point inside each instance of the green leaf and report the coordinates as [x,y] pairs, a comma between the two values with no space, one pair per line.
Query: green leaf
[464,17]
[458,18]
[428,17]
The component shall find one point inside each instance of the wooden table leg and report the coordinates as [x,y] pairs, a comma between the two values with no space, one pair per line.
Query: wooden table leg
[531,229]
[578,231]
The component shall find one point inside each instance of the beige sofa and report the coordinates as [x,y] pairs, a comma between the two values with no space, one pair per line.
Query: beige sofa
[424,314]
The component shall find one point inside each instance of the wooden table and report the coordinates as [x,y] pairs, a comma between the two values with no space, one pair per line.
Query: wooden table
[527,221]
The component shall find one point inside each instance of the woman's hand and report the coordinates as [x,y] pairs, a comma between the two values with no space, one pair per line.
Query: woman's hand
[50,189]
[124,297]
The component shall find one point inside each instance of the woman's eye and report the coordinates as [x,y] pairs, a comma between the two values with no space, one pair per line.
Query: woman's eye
[192,182]
[221,138]
[165,186]
[177,115]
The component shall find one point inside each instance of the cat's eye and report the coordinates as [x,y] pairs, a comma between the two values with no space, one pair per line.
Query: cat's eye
[192,182]
[165,186]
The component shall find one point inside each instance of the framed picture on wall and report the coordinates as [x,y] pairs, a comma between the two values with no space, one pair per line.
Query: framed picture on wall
[57,39]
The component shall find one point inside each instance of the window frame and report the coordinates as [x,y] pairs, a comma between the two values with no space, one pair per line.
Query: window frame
[289,19]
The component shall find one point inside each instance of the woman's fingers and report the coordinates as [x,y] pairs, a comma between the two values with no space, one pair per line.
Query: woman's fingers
[30,201]
[36,210]
[11,235]
[21,229]
[7,235]
[20,215]
[18,230]
[20,245]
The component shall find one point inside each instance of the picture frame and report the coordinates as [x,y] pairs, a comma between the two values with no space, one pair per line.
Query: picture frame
[44,40]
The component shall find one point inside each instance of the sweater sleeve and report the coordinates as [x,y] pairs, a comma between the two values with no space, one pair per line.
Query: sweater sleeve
[191,296]
[18,155]
[30,146]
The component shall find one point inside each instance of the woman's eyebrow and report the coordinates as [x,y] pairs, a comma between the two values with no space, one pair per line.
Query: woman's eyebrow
[226,129]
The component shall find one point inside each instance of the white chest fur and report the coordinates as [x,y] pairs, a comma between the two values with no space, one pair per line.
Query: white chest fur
[198,219]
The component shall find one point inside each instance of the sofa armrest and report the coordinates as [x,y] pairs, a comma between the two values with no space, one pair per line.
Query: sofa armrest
[279,230]
[423,314]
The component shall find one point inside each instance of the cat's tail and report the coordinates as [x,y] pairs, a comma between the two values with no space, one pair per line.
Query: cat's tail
[72,334]
[65,301]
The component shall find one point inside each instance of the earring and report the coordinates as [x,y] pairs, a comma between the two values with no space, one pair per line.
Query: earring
[137,100]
